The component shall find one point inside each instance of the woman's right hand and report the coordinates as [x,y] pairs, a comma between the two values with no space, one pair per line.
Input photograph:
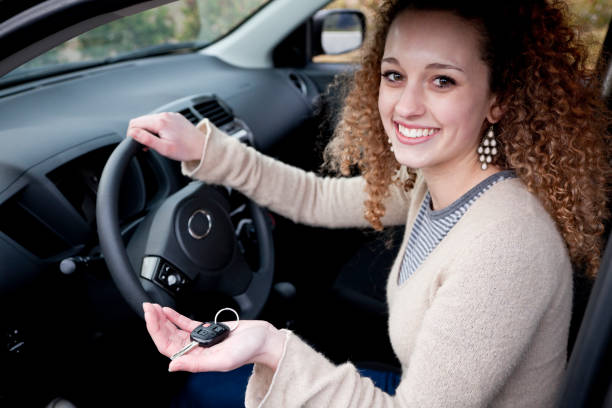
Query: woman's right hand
[169,134]
[253,341]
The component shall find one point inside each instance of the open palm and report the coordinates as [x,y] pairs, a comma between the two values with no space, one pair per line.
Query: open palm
[249,343]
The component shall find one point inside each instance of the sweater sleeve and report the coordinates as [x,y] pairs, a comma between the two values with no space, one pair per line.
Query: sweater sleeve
[479,326]
[291,192]
[305,378]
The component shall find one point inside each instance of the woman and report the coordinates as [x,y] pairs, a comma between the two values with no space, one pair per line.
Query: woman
[494,107]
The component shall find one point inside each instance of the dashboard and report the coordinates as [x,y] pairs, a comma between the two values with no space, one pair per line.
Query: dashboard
[57,133]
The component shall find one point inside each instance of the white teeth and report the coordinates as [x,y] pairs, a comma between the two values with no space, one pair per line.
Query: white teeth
[412,132]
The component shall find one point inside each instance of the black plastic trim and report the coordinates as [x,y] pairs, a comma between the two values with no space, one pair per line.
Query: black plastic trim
[583,382]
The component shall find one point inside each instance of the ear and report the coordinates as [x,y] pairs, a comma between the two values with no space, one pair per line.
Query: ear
[495,111]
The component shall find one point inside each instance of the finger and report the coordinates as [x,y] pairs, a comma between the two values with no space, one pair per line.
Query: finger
[158,325]
[152,123]
[217,358]
[162,146]
[151,318]
[146,306]
[157,307]
[198,363]
[184,364]
[144,137]
[188,364]
[181,321]
[167,337]
[155,329]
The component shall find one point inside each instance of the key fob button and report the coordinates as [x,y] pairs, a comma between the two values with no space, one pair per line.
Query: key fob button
[209,334]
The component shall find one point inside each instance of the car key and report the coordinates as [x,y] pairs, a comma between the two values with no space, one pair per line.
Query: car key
[205,335]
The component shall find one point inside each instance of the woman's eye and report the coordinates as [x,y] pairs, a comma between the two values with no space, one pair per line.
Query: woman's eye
[444,81]
[392,76]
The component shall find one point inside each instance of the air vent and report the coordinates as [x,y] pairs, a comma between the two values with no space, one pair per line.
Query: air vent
[216,113]
[299,83]
[188,114]
[28,230]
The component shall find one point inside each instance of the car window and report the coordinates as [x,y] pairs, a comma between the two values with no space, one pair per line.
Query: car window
[182,25]
[592,16]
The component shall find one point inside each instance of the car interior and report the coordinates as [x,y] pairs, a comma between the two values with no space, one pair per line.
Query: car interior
[87,217]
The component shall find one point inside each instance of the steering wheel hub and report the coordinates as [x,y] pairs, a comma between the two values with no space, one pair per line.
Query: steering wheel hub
[204,230]
[199,224]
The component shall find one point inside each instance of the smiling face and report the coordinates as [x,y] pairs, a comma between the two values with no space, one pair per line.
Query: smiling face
[434,92]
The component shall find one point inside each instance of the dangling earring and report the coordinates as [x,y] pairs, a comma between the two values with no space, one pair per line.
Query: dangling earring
[487,149]
[390,143]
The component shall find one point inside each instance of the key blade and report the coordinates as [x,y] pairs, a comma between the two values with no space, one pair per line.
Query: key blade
[184,350]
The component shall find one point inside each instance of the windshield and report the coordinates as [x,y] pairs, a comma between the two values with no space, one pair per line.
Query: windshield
[180,26]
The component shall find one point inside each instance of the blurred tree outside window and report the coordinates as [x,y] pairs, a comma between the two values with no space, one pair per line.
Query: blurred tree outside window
[187,21]
[592,16]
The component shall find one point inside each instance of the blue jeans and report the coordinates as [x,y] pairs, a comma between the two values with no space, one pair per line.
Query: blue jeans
[226,390]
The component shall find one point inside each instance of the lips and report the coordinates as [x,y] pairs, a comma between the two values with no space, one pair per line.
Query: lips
[414,134]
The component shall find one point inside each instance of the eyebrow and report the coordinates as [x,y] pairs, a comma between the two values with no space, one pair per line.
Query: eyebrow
[435,65]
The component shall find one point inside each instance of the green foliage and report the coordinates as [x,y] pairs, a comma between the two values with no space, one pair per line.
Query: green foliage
[142,30]
[191,24]
[592,14]
[184,21]
[53,57]
[219,17]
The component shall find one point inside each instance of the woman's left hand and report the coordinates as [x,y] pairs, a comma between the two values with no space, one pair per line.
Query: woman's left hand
[253,341]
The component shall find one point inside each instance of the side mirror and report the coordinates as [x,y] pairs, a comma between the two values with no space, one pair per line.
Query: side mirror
[337,31]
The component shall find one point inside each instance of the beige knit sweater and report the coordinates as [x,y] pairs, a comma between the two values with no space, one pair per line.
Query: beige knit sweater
[483,321]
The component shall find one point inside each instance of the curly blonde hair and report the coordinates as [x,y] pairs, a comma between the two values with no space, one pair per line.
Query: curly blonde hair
[553,133]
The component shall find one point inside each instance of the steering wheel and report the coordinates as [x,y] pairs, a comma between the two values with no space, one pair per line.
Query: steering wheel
[187,246]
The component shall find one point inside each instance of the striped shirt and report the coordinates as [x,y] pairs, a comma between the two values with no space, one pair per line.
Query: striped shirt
[430,226]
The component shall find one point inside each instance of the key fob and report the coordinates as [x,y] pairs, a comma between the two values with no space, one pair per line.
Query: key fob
[208,334]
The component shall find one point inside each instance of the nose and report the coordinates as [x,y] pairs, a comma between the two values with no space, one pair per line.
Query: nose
[411,102]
